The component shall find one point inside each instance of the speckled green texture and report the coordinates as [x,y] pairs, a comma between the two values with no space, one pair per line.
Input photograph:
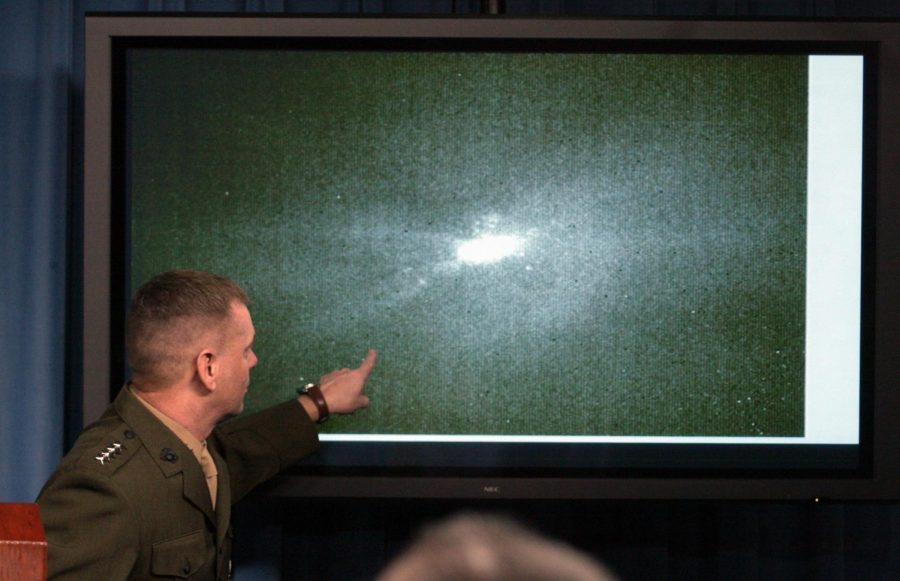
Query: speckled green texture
[660,200]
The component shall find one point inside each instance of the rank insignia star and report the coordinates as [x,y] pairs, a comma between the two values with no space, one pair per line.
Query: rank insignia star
[104,456]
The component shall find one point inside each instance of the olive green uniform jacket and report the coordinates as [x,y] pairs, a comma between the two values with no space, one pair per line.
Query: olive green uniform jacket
[129,501]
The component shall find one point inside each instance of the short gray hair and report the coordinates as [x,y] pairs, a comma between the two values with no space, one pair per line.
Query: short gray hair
[171,311]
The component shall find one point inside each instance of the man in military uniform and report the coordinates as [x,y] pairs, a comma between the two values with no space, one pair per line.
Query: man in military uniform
[146,492]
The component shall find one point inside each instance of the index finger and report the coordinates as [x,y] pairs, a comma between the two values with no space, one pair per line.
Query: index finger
[368,363]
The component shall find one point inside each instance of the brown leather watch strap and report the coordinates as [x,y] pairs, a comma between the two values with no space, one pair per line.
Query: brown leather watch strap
[315,394]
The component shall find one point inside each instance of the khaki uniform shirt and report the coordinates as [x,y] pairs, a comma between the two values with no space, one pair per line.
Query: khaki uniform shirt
[129,501]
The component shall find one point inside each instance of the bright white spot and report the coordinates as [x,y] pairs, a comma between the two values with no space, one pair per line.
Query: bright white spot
[488,248]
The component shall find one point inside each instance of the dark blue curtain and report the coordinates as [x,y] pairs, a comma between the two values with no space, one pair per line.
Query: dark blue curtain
[36,49]
[41,67]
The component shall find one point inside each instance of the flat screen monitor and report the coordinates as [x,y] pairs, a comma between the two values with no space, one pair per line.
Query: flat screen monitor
[598,258]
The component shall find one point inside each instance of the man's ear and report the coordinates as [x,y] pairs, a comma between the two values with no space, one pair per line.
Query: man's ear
[207,368]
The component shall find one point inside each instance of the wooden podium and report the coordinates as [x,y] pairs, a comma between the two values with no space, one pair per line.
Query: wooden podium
[23,545]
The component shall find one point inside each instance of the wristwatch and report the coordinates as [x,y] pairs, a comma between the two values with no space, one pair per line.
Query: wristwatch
[312,391]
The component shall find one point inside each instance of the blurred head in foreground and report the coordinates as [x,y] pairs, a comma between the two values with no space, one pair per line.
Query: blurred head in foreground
[488,548]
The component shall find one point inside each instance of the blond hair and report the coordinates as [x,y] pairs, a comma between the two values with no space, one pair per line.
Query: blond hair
[472,547]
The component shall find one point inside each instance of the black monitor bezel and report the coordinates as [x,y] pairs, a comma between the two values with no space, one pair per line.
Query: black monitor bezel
[417,475]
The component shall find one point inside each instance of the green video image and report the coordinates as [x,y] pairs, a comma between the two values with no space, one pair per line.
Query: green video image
[536,244]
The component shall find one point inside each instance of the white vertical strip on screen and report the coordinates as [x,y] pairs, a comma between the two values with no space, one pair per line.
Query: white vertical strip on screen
[834,240]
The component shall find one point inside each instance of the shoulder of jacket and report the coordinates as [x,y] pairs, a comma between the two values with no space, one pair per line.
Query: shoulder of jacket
[105,448]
